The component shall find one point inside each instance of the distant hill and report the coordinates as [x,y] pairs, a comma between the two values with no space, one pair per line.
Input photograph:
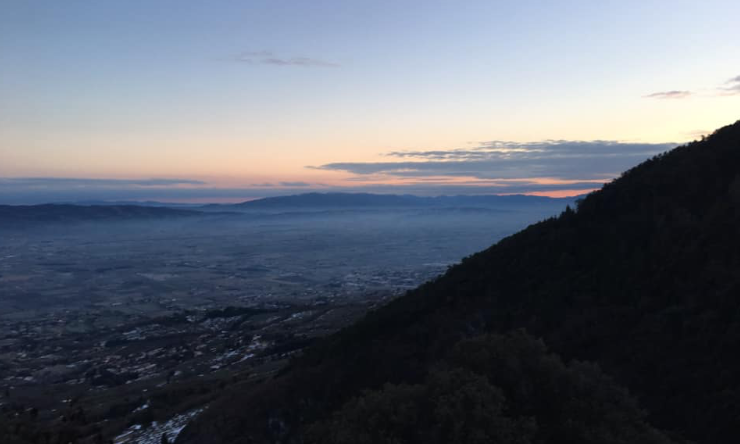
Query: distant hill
[367,200]
[642,280]
[302,205]
[21,215]
[137,203]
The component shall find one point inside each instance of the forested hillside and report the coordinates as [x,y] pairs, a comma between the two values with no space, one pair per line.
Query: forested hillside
[641,280]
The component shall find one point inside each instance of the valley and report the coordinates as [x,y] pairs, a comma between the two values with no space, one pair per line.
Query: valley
[111,329]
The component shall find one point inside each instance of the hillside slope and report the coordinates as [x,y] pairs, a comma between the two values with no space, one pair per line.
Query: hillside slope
[642,279]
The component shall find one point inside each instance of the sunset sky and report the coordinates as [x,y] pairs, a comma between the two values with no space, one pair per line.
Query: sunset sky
[229,100]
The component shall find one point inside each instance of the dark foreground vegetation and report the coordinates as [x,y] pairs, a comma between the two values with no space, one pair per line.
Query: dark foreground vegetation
[641,280]
[494,389]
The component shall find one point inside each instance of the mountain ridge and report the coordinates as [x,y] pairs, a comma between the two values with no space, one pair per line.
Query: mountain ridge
[21,214]
[340,199]
[307,204]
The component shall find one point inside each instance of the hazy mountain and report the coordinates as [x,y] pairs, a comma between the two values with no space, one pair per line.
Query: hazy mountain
[302,205]
[138,203]
[367,200]
[642,279]
[25,214]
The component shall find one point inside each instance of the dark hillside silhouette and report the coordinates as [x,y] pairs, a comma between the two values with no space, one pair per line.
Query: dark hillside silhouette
[642,279]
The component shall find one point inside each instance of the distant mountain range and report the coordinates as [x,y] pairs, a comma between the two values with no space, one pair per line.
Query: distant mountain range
[137,203]
[11,215]
[309,203]
[367,200]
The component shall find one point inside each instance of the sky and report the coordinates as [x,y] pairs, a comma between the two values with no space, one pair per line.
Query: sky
[231,100]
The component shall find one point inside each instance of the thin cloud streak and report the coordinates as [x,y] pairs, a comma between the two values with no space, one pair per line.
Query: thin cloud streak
[45,182]
[731,87]
[669,95]
[268,58]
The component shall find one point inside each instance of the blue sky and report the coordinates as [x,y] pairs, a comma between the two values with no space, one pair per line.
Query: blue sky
[242,95]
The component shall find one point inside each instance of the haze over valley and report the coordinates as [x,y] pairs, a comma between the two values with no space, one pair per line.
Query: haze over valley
[114,299]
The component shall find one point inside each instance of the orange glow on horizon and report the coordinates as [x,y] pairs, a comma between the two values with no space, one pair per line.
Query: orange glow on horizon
[561,193]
